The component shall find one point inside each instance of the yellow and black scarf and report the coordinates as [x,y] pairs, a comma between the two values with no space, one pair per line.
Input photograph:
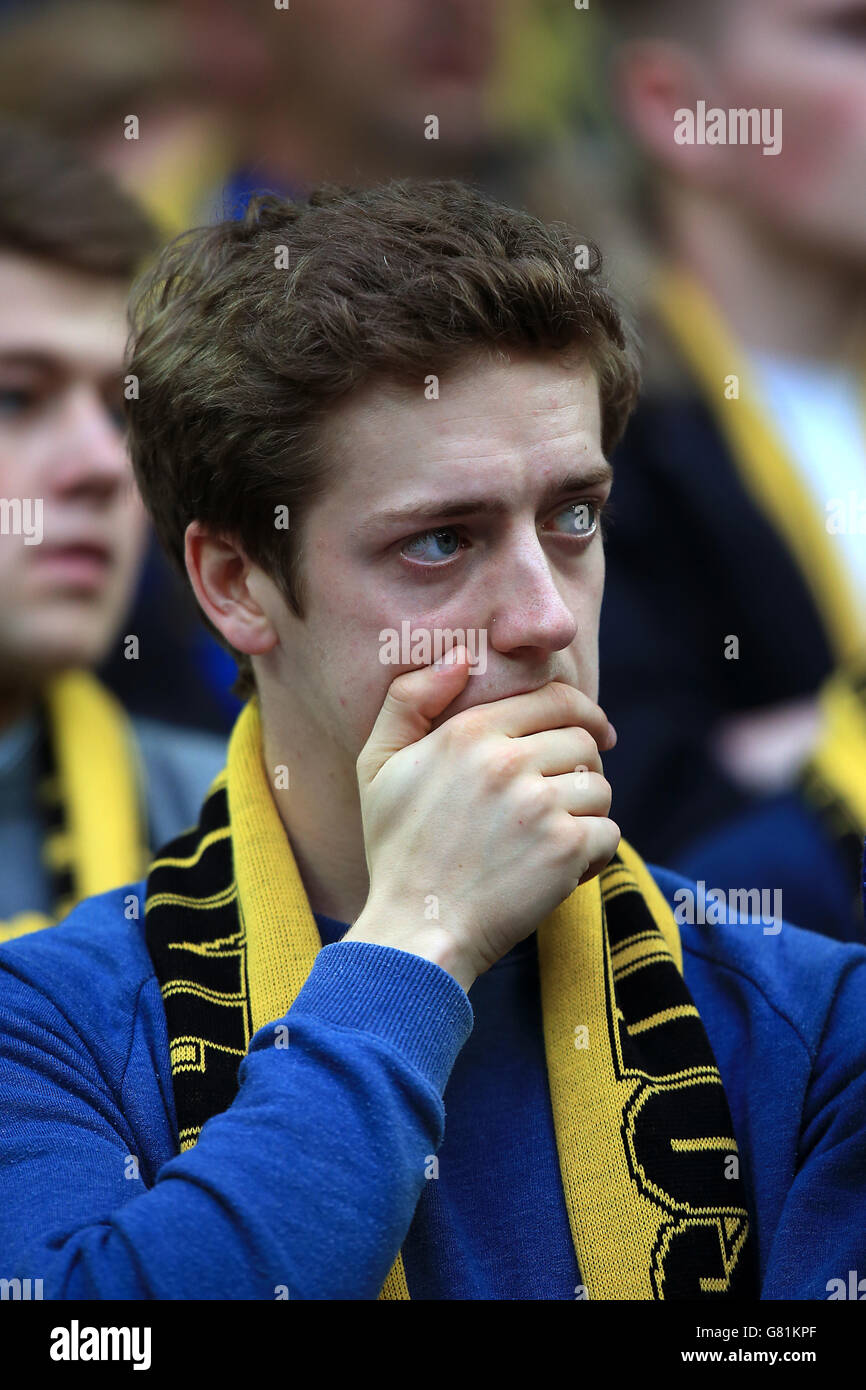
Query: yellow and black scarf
[94,835]
[647,1152]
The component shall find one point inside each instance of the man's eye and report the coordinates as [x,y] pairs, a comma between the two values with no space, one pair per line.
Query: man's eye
[847,26]
[15,401]
[418,548]
[581,519]
[117,415]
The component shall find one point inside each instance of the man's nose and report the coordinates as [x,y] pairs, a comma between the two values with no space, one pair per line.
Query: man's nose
[528,607]
[91,457]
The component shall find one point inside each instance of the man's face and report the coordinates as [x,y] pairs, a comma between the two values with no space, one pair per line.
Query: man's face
[517,445]
[391,63]
[62,338]
[807,57]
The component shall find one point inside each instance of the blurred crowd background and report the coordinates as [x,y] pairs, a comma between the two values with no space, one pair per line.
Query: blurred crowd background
[735,615]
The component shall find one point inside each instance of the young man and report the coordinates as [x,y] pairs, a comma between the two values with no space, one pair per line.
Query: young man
[740,481]
[406,894]
[83,792]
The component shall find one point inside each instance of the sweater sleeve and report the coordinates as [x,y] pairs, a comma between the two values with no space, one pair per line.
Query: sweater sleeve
[304,1188]
[820,1239]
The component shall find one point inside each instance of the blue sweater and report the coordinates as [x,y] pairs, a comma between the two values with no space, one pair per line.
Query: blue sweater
[323,1167]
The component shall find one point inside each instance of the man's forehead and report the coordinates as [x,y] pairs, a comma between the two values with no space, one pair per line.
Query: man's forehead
[510,435]
[477,410]
[48,311]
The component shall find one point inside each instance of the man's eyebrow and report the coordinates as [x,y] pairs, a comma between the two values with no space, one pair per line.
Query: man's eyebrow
[841,16]
[33,360]
[57,367]
[600,475]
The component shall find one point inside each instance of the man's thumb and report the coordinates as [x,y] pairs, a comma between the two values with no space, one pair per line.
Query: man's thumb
[413,701]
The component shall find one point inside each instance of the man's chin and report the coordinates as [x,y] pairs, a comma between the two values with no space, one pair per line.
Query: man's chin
[47,652]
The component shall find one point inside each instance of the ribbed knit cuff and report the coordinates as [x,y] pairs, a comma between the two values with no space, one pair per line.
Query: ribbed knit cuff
[407,1001]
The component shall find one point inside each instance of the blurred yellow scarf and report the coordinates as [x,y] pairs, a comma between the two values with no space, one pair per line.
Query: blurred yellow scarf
[89,794]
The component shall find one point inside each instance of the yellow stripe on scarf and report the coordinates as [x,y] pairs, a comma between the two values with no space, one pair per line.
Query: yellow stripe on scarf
[96,780]
[97,767]
[840,756]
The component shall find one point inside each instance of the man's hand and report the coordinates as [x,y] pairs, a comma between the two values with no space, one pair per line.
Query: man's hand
[499,814]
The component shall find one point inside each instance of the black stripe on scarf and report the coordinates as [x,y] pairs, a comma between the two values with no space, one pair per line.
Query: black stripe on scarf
[198,955]
[680,1103]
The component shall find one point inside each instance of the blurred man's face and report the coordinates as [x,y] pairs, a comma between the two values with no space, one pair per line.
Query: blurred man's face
[388,64]
[520,560]
[62,338]
[807,57]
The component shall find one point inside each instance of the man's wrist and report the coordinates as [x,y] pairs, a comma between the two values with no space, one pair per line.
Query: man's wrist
[385,927]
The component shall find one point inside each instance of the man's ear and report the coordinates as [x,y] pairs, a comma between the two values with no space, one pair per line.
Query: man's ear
[220,573]
[653,79]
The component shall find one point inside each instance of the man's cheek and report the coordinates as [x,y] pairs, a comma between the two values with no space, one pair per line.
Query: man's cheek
[131,529]
[363,685]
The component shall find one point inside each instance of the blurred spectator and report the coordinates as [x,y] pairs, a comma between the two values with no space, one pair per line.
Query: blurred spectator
[351,93]
[732,596]
[81,69]
[114,77]
[347,93]
[83,794]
